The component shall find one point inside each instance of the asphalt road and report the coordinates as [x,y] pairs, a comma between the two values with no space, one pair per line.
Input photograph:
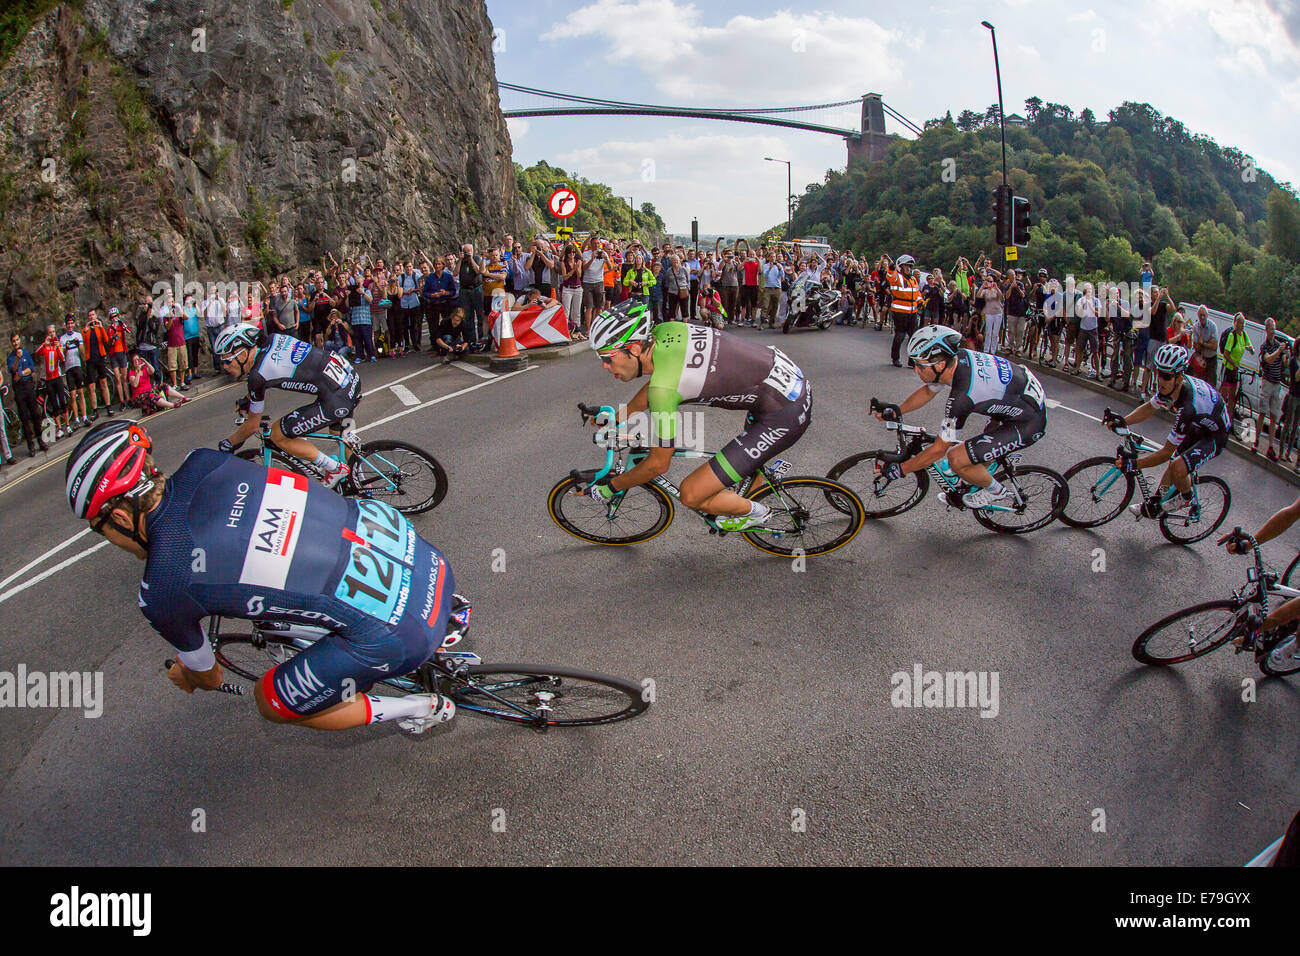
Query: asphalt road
[773,686]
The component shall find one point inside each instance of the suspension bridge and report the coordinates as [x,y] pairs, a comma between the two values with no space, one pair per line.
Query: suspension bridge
[867,144]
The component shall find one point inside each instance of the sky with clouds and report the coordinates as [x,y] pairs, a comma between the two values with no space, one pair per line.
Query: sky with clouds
[1229,69]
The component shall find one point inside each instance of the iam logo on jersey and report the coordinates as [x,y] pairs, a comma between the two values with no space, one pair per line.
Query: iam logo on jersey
[276,530]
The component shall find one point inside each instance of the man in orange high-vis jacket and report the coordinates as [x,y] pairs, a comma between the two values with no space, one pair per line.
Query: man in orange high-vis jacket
[905,298]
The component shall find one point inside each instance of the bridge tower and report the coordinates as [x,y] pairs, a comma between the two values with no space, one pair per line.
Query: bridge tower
[871,145]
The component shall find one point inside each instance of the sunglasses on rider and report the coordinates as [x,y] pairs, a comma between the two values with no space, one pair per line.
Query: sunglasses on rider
[1166,376]
[608,357]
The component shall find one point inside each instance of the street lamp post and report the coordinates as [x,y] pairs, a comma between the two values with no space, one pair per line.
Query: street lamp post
[998,70]
[789,192]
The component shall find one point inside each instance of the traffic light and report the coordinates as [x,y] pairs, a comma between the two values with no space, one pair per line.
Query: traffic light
[1002,215]
[1020,221]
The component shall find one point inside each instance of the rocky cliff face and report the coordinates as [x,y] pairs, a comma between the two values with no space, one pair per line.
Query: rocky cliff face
[225,139]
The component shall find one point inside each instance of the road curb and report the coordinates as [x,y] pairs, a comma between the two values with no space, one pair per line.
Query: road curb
[1234,446]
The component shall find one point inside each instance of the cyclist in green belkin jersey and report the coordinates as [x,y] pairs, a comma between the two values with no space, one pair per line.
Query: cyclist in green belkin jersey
[693,364]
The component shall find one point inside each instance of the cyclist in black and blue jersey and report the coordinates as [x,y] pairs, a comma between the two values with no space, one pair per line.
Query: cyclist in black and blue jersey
[979,383]
[291,365]
[227,537]
[1200,431]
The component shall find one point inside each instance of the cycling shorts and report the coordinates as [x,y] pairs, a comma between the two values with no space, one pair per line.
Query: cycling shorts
[76,378]
[339,666]
[765,436]
[117,360]
[96,370]
[331,406]
[1002,437]
[1196,450]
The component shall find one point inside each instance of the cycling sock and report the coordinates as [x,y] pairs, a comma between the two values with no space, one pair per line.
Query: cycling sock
[381,709]
[758,511]
[325,462]
[995,486]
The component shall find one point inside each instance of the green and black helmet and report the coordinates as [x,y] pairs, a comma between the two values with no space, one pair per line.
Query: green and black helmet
[627,322]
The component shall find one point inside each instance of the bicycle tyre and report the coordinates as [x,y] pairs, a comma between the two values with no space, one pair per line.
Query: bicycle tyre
[359,483]
[1084,495]
[1141,647]
[994,520]
[1267,662]
[836,497]
[629,694]
[861,481]
[1205,529]
[1290,569]
[561,493]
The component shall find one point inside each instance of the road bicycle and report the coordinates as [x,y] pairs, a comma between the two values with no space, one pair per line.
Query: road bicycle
[1037,494]
[540,696]
[1197,630]
[1100,490]
[810,515]
[396,472]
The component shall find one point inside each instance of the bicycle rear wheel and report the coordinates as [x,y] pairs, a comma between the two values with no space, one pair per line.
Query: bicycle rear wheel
[1192,632]
[1043,495]
[640,513]
[1273,664]
[1213,498]
[399,474]
[1099,492]
[546,695]
[809,515]
[859,473]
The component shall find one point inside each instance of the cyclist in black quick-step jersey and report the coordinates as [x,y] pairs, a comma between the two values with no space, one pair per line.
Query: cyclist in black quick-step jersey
[693,364]
[294,366]
[981,384]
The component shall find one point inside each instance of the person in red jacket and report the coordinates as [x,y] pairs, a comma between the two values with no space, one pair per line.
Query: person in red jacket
[50,354]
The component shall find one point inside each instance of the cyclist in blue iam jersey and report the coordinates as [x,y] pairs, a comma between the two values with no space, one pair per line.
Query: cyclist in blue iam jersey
[227,537]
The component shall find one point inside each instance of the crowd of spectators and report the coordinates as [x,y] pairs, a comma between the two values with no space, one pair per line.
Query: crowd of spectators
[371,309]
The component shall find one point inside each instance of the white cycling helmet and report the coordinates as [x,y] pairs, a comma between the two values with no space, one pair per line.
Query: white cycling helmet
[904,260]
[235,337]
[932,340]
[1171,359]
[621,325]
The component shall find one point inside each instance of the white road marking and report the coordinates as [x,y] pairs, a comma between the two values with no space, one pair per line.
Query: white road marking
[435,401]
[1053,403]
[404,395]
[54,550]
[474,369]
[45,574]
[420,371]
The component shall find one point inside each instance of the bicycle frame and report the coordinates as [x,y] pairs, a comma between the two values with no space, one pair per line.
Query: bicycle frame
[951,481]
[1136,443]
[618,445]
[347,447]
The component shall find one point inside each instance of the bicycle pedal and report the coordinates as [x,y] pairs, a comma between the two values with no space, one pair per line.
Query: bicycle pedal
[458,658]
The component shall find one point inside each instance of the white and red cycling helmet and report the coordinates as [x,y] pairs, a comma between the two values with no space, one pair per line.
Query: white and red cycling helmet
[107,462]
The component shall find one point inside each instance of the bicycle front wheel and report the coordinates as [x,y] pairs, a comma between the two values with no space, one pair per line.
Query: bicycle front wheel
[860,472]
[1038,496]
[638,514]
[399,474]
[1099,492]
[809,516]
[1189,633]
[1213,499]
[546,695]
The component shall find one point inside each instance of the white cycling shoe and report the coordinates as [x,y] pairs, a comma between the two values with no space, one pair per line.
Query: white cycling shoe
[1284,655]
[332,479]
[443,710]
[983,497]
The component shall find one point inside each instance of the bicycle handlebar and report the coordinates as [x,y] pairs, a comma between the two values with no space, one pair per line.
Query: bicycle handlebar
[888,411]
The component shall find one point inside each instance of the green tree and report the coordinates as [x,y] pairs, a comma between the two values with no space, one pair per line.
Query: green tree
[1284,225]
[1116,260]
[1188,277]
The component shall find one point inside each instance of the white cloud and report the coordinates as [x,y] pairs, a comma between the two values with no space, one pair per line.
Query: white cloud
[824,56]
[1247,60]
[1241,23]
[518,127]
